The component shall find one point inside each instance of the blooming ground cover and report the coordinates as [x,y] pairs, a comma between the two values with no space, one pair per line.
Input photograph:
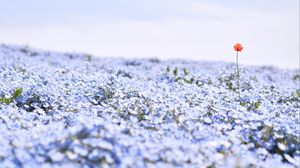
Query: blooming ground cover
[76,110]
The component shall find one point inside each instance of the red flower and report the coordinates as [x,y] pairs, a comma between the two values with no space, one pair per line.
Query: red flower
[238,47]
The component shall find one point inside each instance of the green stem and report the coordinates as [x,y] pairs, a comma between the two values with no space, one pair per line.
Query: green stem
[238,74]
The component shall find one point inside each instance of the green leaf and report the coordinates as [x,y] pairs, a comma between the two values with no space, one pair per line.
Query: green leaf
[256,105]
[297,93]
[175,71]
[168,69]
[243,104]
[5,100]
[17,93]
[186,72]
[188,81]
[177,79]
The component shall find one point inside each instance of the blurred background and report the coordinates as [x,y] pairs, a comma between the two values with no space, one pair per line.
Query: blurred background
[189,29]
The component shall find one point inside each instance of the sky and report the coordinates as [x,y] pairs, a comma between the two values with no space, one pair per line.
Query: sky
[189,29]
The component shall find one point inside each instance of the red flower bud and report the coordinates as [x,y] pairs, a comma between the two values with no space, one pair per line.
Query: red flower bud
[238,47]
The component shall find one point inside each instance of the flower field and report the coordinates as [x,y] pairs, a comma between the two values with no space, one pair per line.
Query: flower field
[78,110]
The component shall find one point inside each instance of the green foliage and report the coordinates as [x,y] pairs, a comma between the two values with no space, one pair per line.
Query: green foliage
[5,100]
[141,116]
[243,104]
[168,69]
[297,93]
[175,71]
[103,95]
[267,137]
[294,98]
[209,81]
[251,106]
[188,81]
[185,77]
[88,57]
[152,128]
[296,77]
[177,79]
[185,71]
[227,80]
[17,93]
[255,105]
[229,85]
[34,101]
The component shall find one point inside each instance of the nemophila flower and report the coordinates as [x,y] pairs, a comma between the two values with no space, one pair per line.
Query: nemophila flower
[117,109]
[238,48]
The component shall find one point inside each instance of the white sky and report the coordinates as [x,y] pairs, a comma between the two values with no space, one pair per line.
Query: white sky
[190,29]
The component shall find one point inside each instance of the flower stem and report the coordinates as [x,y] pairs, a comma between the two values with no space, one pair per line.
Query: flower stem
[238,74]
